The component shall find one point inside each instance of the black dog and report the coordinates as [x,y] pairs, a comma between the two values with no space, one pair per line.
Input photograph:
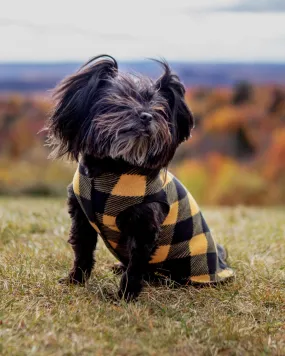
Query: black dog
[124,130]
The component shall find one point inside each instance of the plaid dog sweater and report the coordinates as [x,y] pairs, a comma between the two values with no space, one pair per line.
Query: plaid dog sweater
[186,248]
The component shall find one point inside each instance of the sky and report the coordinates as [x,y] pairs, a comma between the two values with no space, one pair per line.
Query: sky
[182,30]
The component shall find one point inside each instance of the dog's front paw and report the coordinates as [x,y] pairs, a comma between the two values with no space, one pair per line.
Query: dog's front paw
[78,278]
[130,287]
[68,280]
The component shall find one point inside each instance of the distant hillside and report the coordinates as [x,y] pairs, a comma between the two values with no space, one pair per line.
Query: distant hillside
[24,77]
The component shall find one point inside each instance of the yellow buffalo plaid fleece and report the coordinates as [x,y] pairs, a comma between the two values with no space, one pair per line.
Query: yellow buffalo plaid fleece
[186,248]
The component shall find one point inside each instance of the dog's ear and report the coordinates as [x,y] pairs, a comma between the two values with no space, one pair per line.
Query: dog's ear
[75,96]
[173,91]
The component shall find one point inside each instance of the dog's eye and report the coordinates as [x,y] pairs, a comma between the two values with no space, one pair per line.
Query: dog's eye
[147,95]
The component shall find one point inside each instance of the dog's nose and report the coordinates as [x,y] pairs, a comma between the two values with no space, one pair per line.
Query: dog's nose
[146,117]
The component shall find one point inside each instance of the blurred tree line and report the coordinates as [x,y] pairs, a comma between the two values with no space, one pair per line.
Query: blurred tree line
[236,154]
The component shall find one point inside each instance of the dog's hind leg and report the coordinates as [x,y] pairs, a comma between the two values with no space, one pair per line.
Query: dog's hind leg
[83,239]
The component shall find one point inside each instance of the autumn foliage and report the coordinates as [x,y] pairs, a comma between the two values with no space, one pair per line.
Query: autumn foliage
[236,154]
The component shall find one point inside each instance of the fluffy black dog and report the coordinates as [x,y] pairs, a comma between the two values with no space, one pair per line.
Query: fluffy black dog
[124,130]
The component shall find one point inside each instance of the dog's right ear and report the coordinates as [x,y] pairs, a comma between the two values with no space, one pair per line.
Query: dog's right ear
[75,96]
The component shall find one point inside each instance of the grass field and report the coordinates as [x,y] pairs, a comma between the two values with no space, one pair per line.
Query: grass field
[40,317]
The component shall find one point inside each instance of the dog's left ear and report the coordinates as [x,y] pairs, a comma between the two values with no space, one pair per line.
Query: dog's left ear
[173,90]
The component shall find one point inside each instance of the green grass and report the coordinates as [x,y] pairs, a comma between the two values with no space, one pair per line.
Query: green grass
[40,317]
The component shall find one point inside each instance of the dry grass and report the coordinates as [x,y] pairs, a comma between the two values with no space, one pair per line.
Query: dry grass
[41,317]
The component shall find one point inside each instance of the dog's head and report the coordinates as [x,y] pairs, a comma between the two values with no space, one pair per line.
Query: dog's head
[104,113]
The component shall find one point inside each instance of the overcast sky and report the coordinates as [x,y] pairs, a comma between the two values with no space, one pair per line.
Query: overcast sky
[196,30]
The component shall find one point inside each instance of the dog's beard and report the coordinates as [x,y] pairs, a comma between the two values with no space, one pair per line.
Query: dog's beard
[122,139]
[132,150]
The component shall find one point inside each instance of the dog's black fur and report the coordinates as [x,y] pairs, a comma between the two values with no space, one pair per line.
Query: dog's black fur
[110,120]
